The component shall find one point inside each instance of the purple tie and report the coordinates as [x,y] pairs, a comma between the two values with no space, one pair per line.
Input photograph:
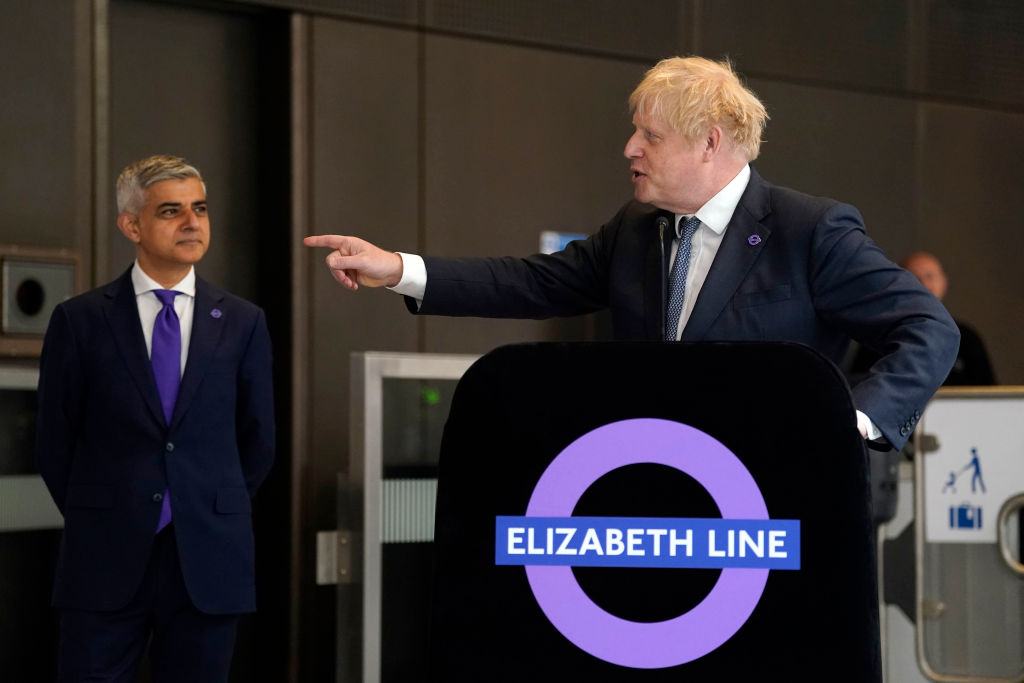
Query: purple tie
[166,360]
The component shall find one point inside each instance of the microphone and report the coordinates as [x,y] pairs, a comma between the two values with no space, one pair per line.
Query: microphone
[662,227]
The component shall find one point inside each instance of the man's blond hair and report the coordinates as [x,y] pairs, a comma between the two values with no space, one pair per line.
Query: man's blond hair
[693,94]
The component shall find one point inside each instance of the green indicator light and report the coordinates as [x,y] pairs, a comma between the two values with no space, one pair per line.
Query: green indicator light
[430,396]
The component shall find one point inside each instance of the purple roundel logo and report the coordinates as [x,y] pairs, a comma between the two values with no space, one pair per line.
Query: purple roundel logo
[688,636]
[754,240]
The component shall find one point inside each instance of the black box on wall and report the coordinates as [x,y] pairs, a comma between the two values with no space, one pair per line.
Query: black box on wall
[32,282]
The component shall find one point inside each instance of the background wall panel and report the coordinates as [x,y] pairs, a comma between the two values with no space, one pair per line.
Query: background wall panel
[364,165]
[971,171]
[505,162]
[364,146]
[857,43]
[37,125]
[616,27]
[853,146]
[973,50]
[623,28]
[184,82]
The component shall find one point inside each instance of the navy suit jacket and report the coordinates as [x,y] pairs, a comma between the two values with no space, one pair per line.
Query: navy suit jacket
[106,452]
[791,267]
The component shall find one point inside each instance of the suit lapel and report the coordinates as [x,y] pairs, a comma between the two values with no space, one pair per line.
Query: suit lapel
[745,238]
[122,312]
[207,325]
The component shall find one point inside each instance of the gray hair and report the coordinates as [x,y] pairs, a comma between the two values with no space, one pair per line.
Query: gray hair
[137,177]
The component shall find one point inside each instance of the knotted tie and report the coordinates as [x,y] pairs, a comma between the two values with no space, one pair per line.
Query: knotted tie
[166,360]
[677,278]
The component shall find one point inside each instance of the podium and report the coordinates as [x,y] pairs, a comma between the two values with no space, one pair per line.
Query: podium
[653,512]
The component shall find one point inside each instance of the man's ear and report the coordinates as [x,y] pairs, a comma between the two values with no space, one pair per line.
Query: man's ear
[128,224]
[713,142]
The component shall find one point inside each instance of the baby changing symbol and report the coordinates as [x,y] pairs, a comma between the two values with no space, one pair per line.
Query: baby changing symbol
[974,467]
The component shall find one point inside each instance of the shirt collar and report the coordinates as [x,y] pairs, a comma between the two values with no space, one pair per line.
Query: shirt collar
[718,210]
[144,283]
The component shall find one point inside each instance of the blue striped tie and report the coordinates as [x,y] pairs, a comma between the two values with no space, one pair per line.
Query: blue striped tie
[677,278]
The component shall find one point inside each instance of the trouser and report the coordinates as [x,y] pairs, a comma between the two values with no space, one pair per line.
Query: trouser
[185,645]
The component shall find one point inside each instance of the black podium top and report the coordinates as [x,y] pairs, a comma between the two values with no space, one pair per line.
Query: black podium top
[654,512]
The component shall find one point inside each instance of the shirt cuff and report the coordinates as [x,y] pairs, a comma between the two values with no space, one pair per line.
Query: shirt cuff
[414,278]
[867,427]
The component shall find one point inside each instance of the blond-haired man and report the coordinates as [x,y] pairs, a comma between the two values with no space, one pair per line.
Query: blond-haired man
[707,250]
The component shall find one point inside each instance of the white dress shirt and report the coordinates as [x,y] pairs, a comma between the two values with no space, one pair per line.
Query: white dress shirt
[714,218]
[414,278]
[150,306]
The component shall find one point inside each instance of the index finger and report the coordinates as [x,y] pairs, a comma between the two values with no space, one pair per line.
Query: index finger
[332,241]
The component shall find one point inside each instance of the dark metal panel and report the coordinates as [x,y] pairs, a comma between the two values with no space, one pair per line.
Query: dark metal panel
[518,141]
[969,216]
[974,50]
[650,29]
[398,11]
[184,82]
[37,183]
[852,146]
[860,43]
[364,161]
[363,146]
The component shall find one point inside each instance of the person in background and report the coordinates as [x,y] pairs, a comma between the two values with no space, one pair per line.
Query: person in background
[972,365]
[155,429]
[707,250]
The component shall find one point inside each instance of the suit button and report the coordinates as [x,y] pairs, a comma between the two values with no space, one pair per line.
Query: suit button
[157,497]
[170,446]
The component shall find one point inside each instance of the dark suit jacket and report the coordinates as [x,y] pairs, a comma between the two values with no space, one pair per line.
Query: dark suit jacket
[106,452]
[972,366]
[791,267]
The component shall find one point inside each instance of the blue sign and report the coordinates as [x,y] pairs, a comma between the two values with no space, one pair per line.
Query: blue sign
[551,241]
[965,516]
[705,543]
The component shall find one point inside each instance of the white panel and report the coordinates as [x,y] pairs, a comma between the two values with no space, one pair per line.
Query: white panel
[977,467]
[25,504]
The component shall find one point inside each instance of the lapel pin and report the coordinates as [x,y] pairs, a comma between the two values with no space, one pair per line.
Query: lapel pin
[754,240]
[215,313]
